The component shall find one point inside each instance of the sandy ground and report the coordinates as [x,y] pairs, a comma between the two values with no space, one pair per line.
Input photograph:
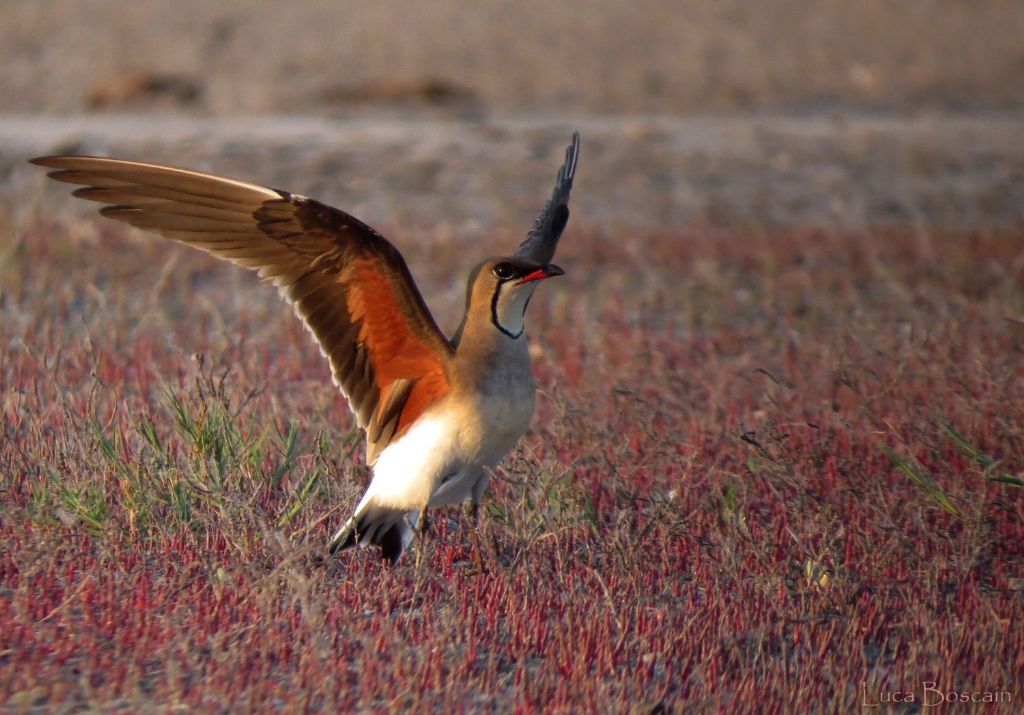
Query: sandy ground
[525,56]
[454,114]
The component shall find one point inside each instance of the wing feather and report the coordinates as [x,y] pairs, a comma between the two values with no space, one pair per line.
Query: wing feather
[163,203]
[347,283]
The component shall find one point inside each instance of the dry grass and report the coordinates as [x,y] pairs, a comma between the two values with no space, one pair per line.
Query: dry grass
[767,471]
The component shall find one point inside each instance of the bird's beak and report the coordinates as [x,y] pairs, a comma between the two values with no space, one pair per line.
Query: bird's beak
[548,271]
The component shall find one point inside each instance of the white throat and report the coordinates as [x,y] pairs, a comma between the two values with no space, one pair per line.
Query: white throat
[508,309]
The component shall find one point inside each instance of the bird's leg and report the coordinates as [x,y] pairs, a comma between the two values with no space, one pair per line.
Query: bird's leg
[473,512]
[421,531]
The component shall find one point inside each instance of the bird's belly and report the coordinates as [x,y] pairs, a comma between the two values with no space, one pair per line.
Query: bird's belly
[502,421]
[442,456]
[455,488]
[486,434]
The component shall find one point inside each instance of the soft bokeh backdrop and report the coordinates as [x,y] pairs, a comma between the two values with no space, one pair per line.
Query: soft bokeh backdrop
[529,56]
[414,115]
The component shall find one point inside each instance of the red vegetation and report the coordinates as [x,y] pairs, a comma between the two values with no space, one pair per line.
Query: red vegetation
[768,472]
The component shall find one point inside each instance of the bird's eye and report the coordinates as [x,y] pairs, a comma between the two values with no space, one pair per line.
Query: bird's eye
[504,271]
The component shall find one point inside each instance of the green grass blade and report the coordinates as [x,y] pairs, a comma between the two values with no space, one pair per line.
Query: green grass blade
[922,481]
[300,501]
[1012,481]
[964,446]
[291,445]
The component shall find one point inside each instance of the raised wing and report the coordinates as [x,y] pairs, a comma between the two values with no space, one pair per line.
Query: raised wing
[347,283]
[542,240]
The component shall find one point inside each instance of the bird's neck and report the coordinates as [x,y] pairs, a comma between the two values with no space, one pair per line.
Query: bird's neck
[481,348]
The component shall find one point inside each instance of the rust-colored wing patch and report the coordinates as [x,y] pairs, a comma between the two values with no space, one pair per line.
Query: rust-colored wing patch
[349,285]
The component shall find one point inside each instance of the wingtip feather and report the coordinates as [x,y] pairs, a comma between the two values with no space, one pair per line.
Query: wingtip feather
[542,239]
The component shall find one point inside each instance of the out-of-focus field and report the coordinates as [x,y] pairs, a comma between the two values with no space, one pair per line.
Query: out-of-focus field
[604,57]
[778,454]
[767,468]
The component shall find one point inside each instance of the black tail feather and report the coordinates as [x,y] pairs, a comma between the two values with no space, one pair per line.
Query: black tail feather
[392,543]
[381,526]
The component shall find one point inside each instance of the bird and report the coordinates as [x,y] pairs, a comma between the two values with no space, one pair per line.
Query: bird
[438,413]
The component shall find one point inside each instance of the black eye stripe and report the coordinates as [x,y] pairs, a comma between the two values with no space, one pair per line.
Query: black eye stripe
[494,314]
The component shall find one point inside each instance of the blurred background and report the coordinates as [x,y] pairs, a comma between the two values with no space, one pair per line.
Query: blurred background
[449,113]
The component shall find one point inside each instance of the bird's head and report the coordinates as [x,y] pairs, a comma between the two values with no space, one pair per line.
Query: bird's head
[500,289]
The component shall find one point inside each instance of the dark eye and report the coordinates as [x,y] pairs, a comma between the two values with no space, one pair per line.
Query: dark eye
[504,271]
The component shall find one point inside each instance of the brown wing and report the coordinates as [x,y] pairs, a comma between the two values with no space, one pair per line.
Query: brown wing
[349,285]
